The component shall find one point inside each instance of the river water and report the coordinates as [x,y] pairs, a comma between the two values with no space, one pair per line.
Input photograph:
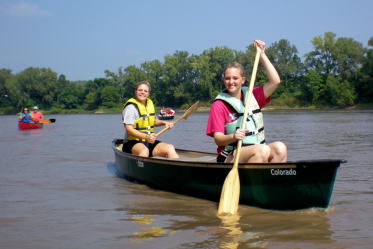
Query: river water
[58,188]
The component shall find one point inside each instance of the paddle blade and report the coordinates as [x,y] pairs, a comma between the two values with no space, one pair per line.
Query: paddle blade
[190,110]
[44,121]
[52,120]
[230,194]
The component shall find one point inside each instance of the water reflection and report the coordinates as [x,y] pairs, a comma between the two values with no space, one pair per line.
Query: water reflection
[165,214]
[234,233]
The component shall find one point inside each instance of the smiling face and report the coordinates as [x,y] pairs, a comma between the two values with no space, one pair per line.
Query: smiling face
[142,92]
[233,80]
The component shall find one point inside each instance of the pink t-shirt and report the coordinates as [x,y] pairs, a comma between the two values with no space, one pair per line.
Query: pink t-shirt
[222,113]
[36,116]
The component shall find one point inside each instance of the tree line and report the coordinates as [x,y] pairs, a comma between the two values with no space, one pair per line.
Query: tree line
[337,72]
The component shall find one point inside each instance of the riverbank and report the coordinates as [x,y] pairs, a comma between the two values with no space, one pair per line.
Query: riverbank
[200,109]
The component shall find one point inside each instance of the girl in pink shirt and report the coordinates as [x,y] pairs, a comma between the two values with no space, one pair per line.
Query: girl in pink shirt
[222,113]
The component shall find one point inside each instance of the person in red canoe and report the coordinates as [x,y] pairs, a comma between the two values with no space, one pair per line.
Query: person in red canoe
[36,115]
[170,112]
[162,112]
[25,116]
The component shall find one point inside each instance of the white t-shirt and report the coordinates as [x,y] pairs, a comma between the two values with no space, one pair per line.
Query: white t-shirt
[129,115]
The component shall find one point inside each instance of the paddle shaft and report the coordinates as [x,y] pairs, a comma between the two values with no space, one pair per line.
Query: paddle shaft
[230,194]
[247,104]
[165,129]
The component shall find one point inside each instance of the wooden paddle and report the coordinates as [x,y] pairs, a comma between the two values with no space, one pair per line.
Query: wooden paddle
[44,121]
[230,194]
[189,112]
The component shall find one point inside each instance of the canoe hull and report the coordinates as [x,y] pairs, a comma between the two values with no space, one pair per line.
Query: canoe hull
[290,186]
[29,126]
[166,117]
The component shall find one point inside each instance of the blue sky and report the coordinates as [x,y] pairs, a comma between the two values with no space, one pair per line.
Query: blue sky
[81,39]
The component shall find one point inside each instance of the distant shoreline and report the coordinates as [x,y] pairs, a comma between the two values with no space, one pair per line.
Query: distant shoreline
[207,110]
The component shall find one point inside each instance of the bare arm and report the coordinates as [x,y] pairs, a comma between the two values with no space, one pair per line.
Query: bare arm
[161,122]
[133,132]
[223,140]
[273,77]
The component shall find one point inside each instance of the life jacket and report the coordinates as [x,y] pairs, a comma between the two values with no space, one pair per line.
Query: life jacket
[145,123]
[26,119]
[254,124]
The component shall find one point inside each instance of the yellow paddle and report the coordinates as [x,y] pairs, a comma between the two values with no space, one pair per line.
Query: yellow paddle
[230,194]
[189,112]
[44,121]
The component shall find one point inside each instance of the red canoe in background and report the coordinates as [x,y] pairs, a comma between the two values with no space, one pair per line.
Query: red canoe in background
[29,126]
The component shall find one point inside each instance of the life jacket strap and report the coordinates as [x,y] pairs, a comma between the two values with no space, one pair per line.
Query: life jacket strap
[254,132]
[147,115]
[145,128]
[250,112]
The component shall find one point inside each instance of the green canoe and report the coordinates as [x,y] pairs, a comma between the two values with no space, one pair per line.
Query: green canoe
[165,117]
[278,186]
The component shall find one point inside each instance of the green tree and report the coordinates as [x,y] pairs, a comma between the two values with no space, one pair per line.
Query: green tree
[72,96]
[364,84]
[284,58]
[109,96]
[62,83]
[5,74]
[117,80]
[203,77]
[314,88]
[220,57]
[323,58]
[91,101]
[339,93]
[177,72]
[349,56]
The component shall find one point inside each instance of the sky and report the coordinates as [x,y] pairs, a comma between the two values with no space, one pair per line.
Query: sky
[82,39]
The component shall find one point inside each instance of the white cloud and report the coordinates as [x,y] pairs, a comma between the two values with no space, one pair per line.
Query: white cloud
[26,10]
[132,52]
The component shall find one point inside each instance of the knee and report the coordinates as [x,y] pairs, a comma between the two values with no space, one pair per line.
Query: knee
[264,151]
[170,148]
[144,153]
[280,148]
